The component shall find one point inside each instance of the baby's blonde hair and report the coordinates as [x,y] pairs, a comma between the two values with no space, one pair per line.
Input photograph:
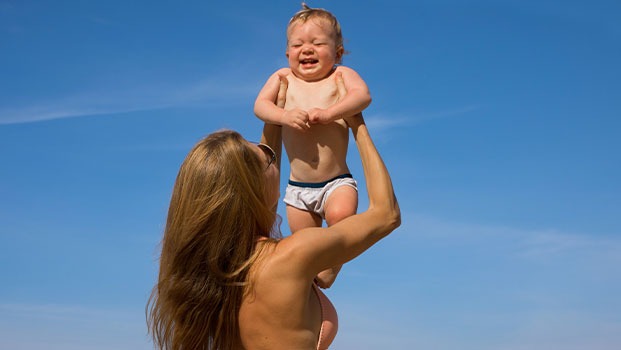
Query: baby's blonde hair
[307,13]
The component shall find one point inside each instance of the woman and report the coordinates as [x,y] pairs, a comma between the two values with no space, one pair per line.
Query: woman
[226,280]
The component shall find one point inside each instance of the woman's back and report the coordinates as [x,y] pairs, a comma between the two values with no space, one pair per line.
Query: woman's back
[280,309]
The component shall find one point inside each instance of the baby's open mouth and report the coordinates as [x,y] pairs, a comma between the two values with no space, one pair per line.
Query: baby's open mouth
[309,61]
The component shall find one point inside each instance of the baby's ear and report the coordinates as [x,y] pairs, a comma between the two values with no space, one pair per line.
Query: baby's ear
[340,51]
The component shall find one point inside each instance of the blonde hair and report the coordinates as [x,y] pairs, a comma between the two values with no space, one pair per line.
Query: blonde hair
[307,13]
[217,213]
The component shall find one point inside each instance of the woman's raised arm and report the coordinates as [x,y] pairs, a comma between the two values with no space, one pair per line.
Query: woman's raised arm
[272,133]
[382,199]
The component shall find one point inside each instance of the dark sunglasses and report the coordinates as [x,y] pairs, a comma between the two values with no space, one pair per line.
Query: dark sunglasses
[270,153]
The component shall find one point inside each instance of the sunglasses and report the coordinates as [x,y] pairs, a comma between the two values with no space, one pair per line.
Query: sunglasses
[270,153]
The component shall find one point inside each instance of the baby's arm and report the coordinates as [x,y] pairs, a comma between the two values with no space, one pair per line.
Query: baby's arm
[266,109]
[355,101]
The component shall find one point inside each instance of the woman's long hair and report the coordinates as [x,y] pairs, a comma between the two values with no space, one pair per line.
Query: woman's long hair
[217,212]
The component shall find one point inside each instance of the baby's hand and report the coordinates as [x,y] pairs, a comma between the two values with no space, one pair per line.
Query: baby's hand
[318,115]
[296,118]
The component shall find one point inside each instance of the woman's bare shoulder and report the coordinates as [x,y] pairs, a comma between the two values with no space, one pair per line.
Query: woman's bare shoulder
[296,251]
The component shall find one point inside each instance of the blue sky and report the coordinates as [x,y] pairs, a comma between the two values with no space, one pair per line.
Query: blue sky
[499,121]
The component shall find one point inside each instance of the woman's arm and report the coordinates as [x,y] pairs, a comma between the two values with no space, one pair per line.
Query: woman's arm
[321,248]
[272,133]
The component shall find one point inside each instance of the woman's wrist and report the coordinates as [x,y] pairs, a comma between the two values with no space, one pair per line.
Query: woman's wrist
[354,121]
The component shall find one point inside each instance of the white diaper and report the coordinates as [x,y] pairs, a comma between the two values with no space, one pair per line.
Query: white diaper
[311,196]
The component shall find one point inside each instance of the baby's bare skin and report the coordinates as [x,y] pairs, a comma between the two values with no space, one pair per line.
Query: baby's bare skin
[318,153]
[314,133]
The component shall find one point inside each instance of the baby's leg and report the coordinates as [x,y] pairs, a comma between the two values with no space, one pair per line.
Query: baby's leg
[341,203]
[299,219]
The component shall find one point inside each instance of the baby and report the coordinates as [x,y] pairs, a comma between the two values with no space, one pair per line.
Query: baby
[314,133]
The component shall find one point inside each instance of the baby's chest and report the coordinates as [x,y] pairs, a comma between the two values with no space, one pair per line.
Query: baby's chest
[311,95]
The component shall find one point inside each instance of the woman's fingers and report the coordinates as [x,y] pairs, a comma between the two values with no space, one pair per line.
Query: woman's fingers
[282,91]
[340,84]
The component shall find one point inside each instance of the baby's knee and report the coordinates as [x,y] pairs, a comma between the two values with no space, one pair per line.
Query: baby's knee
[337,212]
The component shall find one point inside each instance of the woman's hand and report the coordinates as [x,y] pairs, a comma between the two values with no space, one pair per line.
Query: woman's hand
[295,118]
[282,91]
[352,121]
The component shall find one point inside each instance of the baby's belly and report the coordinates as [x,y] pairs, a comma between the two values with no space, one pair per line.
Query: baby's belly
[318,154]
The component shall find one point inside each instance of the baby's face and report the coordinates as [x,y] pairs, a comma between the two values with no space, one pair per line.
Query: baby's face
[311,49]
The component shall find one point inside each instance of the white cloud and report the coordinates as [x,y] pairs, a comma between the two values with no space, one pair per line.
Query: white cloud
[77,107]
[129,100]
[548,243]
[388,121]
[526,243]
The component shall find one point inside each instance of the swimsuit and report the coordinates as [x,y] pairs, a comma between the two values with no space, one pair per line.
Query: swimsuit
[312,196]
[329,320]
